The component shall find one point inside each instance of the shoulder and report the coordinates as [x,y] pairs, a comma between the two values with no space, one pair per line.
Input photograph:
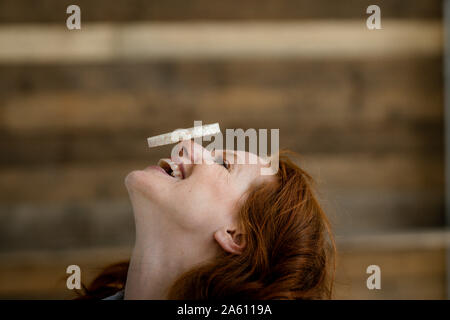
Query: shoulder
[117,296]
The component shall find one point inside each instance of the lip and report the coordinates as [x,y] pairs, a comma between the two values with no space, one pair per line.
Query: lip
[159,169]
[181,166]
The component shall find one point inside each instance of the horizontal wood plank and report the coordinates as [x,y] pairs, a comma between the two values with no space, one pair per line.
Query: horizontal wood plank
[105,112]
[26,11]
[75,224]
[153,41]
[85,204]
[105,180]
[170,76]
[406,273]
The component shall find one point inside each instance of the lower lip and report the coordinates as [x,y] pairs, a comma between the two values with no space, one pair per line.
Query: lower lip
[158,168]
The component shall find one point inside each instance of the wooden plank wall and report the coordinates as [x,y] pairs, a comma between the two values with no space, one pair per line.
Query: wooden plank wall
[368,126]
[25,11]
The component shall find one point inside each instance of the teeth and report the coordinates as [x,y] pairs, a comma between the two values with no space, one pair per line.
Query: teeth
[167,163]
[177,173]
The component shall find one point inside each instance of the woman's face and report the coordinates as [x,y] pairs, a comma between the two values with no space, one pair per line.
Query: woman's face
[198,192]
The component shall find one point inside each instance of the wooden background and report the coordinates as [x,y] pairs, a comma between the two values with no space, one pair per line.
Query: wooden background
[367,121]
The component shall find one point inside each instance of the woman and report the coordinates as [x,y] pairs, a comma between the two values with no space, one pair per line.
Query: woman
[222,230]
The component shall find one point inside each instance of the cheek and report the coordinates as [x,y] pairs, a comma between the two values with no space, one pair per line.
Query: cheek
[204,205]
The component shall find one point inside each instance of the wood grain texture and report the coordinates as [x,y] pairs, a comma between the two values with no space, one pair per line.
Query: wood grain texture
[105,180]
[26,11]
[369,131]
[73,112]
[81,205]
[347,39]
[406,273]
[364,110]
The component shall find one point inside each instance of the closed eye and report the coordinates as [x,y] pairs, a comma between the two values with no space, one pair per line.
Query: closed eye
[223,162]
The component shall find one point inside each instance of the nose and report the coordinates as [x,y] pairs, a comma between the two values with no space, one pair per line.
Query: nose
[186,150]
[190,152]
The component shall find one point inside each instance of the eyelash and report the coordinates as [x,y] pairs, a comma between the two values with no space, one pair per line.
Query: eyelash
[223,163]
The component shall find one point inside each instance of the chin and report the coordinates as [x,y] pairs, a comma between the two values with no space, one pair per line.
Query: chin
[135,180]
[149,184]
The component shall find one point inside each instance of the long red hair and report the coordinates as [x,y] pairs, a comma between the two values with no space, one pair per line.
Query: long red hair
[289,252]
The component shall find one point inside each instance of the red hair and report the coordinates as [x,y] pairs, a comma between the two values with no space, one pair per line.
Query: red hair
[289,252]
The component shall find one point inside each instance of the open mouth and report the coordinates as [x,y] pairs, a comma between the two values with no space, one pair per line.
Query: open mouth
[171,168]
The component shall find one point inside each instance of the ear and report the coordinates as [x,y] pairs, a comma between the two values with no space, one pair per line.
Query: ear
[230,240]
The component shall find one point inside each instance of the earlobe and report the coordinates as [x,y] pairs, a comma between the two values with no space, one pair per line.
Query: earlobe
[229,240]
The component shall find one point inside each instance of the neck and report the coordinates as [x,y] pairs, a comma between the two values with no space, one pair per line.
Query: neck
[152,271]
[160,256]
